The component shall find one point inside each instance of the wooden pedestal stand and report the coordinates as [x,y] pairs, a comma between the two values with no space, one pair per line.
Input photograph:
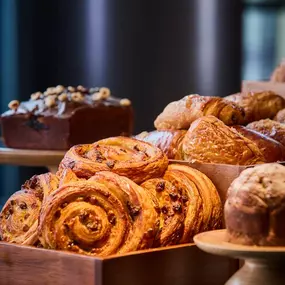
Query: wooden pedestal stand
[262,266]
[24,157]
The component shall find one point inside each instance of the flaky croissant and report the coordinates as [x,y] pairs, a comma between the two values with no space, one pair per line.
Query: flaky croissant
[269,128]
[19,216]
[129,157]
[169,141]
[107,214]
[209,140]
[258,105]
[180,114]
[271,149]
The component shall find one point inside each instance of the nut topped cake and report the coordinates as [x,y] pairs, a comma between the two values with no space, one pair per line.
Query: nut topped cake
[62,117]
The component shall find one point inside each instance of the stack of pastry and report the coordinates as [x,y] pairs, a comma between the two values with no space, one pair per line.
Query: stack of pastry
[111,197]
[240,129]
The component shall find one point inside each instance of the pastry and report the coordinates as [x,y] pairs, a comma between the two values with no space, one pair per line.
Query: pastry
[209,140]
[180,114]
[280,116]
[278,75]
[203,208]
[269,128]
[62,117]
[255,207]
[169,141]
[129,157]
[104,215]
[172,210]
[19,216]
[258,105]
[271,149]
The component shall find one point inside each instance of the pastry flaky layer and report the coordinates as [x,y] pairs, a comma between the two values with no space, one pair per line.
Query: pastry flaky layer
[255,208]
[19,216]
[209,140]
[129,157]
[115,196]
[258,105]
[180,114]
[169,141]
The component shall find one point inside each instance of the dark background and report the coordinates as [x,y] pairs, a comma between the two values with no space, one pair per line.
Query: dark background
[152,52]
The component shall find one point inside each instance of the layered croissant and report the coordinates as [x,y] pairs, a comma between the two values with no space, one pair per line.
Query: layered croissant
[95,207]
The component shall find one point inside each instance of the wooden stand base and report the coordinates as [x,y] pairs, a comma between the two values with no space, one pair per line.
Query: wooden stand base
[262,266]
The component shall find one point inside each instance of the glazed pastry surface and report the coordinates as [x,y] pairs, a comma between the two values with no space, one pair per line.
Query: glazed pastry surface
[258,105]
[209,140]
[180,114]
[129,157]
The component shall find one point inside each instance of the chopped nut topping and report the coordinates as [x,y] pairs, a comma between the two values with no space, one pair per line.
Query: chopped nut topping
[125,102]
[62,97]
[105,92]
[97,96]
[50,101]
[160,186]
[77,97]
[81,88]
[36,95]
[25,228]
[14,105]
[71,89]
[59,89]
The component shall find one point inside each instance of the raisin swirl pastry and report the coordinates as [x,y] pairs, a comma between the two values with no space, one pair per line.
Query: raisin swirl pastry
[172,212]
[19,216]
[128,157]
[107,214]
[203,208]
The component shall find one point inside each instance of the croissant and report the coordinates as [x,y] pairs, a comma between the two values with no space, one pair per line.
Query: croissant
[271,149]
[209,140]
[172,211]
[180,114]
[128,157]
[169,141]
[19,216]
[104,215]
[203,204]
[258,105]
[278,75]
[269,128]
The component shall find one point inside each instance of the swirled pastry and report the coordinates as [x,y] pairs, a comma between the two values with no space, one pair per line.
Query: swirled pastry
[180,114]
[209,140]
[104,215]
[169,141]
[19,216]
[269,128]
[172,210]
[203,204]
[271,149]
[128,157]
[278,75]
[258,105]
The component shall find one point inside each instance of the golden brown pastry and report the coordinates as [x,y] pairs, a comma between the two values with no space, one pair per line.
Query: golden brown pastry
[271,149]
[202,202]
[269,128]
[255,208]
[278,75]
[180,114]
[104,215]
[280,116]
[209,140]
[172,210]
[169,141]
[258,105]
[19,216]
[129,157]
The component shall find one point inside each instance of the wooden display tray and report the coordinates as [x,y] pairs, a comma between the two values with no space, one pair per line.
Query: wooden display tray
[178,265]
